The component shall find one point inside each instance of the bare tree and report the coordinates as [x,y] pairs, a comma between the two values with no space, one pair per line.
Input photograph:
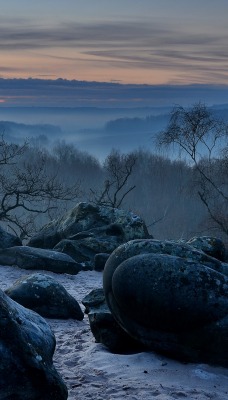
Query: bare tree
[28,188]
[197,134]
[10,152]
[118,169]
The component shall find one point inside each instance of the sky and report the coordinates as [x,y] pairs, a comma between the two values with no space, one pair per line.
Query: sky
[132,41]
[165,42]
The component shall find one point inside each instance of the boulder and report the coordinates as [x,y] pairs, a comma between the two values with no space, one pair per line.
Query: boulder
[32,258]
[93,299]
[175,305]
[104,327]
[8,240]
[84,250]
[179,249]
[212,246]
[26,351]
[99,261]
[44,295]
[86,220]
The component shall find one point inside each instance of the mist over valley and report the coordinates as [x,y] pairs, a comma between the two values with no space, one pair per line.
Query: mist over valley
[96,130]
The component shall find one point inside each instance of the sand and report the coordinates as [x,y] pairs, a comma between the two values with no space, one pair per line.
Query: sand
[92,372]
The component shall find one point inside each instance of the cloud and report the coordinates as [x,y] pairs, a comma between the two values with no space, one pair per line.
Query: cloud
[134,34]
[135,44]
[8,69]
[61,92]
[184,66]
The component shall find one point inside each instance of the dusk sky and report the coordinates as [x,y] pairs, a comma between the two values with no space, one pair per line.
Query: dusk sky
[146,41]
[168,42]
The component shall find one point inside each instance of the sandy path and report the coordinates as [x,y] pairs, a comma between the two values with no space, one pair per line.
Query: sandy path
[91,372]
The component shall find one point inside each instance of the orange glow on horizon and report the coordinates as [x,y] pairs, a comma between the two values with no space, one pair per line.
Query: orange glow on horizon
[73,64]
[82,67]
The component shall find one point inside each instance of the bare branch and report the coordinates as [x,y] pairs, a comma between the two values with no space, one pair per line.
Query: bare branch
[156,221]
[119,169]
[29,186]
[204,139]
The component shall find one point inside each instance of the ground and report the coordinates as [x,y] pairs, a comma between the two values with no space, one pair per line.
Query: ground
[92,372]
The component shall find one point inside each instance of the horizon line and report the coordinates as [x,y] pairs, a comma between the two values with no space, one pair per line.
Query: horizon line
[117,83]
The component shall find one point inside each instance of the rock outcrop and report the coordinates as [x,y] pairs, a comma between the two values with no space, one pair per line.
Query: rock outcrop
[26,351]
[87,230]
[84,250]
[33,259]
[170,297]
[44,295]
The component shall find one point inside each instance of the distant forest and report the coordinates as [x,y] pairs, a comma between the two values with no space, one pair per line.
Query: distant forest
[39,183]
[163,195]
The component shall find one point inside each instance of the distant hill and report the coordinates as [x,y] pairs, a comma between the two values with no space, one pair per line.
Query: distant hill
[95,130]
[148,124]
[17,132]
[151,123]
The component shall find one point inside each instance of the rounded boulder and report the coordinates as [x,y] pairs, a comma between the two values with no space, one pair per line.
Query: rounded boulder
[174,305]
[44,295]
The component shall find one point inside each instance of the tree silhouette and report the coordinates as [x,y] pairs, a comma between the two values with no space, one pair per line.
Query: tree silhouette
[203,139]
[118,169]
[27,186]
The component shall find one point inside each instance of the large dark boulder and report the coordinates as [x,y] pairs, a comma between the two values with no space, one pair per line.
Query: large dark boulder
[8,240]
[33,259]
[44,295]
[27,345]
[86,219]
[176,305]
[104,327]
[135,247]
